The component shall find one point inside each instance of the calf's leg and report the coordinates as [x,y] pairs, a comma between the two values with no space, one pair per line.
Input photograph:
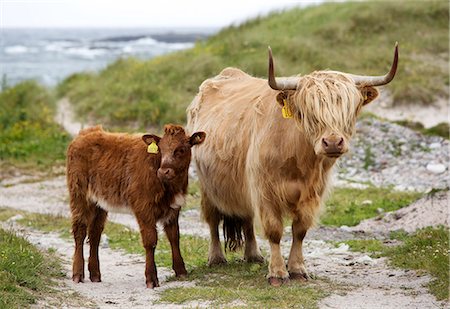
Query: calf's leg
[149,239]
[173,234]
[81,215]
[95,230]
[212,216]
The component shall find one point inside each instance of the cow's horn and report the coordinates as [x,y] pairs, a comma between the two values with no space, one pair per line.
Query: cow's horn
[284,83]
[378,80]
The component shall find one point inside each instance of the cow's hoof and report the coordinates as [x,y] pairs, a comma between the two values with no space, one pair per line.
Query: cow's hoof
[298,276]
[78,278]
[276,282]
[95,278]
[152,285]
[255,259]
[217,260]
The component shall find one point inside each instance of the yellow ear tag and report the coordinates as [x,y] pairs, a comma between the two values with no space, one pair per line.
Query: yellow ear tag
[152,148]
[285,111]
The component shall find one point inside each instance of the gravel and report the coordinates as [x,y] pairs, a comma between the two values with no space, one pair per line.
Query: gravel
[386,154]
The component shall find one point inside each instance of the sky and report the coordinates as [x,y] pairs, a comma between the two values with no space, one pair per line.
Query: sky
[135,13]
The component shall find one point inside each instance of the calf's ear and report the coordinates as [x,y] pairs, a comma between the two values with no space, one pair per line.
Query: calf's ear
[369,94]
[150,138]
[197,138]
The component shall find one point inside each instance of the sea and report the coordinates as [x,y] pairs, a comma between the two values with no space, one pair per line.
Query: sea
[51,55]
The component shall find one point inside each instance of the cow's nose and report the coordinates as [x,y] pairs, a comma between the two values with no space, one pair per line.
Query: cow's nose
[333,145]
[166,173]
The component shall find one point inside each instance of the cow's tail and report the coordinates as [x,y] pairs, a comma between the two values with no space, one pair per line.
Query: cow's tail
[232,232]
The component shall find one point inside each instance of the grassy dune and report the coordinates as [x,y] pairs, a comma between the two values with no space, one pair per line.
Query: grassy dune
[351,37]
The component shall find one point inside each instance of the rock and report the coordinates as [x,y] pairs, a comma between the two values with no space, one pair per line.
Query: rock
[380,211]
[15,218]
[345,228]
[343,247]
[436,168]
[434,145]
[364,260]
[104,241]
[366,202]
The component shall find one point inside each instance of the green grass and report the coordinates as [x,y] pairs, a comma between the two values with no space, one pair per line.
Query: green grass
[243,285]
[442,129]
[425,250]
[356,37]
[25,272]
[345,205]
[28,134]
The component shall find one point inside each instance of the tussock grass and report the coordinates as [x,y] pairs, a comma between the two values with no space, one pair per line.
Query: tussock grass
[356,37]
[25,272]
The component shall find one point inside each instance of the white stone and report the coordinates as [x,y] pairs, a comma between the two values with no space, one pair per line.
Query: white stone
[436,168]
[104,241]
[15,218]
[366,202]
[435,145]
[345,228]
[365,260]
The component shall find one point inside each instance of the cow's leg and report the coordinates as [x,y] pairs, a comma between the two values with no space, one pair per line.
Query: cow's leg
[212,216]
[303,220]
[273,229]
[81,215]
[252,253]
[149,239]
[173,234]
[95,230]
[296,266]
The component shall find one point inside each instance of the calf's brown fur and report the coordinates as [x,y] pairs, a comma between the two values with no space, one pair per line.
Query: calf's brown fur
[114,171]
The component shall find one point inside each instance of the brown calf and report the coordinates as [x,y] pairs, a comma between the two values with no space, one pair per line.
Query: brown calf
[119,172]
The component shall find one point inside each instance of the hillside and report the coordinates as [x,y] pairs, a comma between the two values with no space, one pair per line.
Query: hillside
[351,37]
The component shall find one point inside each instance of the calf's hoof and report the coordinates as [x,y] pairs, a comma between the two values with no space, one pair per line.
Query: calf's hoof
[152,285]
[95,278]
[299,276]
[277,282]
[78,278]
[181,274]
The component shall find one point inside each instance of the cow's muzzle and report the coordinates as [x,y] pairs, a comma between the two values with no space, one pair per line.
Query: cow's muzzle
[334,146]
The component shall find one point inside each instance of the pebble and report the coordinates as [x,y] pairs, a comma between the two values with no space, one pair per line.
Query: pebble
[435,145]
[364,260]
[15,218]
[436,168]
[366,202]
[345,228]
